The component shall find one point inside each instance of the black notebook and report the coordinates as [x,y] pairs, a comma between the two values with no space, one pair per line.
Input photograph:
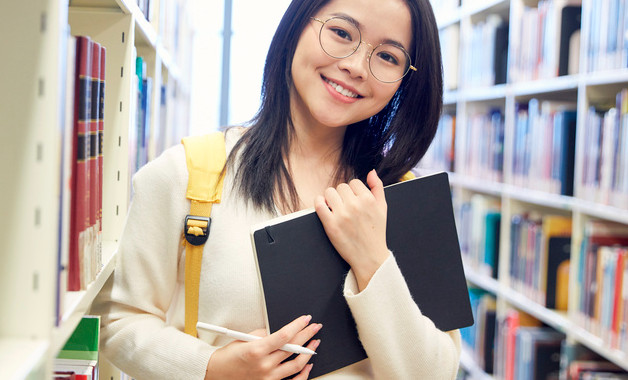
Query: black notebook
[301,272]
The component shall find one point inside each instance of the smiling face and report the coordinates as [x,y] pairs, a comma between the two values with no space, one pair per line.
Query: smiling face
[337,92]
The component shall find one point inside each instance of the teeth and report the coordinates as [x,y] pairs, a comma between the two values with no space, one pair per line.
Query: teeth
[341,89]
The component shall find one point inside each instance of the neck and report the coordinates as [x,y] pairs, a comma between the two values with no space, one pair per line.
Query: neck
[315,141]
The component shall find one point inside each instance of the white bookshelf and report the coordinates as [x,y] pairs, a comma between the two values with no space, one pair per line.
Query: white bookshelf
[32,79]
[583,88]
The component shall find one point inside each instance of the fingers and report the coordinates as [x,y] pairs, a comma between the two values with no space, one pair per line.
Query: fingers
[305,372]
[303,336]
[344,194]
[376,185]
[284,335]
[298,364]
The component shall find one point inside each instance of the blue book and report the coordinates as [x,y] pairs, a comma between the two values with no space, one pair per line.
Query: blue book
[491,241]
[567,152]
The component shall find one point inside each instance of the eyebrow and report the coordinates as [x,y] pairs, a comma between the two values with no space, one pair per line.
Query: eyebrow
[358,25]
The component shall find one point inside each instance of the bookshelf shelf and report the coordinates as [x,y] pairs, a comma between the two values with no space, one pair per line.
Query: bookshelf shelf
[606,77]
[169,64]
[474,184]
[484,93]
[38,120]
[567,83]
[145,33]
[468,364]
[450,98]
[18,357]
[484,7]
[536,197]
[597,344]
[558,320]
[518,119]
[77,303]
[601,211]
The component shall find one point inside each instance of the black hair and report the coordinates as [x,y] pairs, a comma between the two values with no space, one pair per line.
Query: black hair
[392,141]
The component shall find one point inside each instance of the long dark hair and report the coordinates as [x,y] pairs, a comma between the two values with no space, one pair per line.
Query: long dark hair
[392,141]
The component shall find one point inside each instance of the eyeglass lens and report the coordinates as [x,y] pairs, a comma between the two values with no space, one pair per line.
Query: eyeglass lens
[340,38]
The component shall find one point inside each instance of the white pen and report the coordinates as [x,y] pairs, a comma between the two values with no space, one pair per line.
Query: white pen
[294,348]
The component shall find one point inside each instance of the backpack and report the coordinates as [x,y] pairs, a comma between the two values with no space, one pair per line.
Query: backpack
[205,157]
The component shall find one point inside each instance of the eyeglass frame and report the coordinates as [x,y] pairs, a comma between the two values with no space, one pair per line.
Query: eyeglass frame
[368,58]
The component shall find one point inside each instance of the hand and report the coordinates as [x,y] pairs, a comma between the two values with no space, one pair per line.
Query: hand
[354,219]
[262,359]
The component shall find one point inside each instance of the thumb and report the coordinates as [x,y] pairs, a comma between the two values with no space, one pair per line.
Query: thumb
[376,185]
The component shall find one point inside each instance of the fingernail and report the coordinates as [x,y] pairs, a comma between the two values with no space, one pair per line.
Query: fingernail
[319,326]
[315,344]
[308,318]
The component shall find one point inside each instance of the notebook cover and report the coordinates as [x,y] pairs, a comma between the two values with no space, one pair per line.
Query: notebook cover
[301,272]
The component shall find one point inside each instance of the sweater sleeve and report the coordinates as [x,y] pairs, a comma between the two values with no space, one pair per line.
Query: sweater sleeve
[401,342]
[136,335]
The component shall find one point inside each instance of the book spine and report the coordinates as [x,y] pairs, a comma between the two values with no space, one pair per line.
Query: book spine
[101,136]
[93,162]
[79,221]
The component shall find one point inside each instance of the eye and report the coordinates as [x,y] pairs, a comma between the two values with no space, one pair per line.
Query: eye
[387,57]
[341,33]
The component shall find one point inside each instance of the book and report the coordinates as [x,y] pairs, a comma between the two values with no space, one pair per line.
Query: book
[558,253]
[101,135]
[546,357]
[538,353]
[567,150]
[94,208]
[571,16]
[79,221]
[578,367]
[500,56]
[556,250]
[485,332]
[620,324]
[491,246]
[469,334]
[572,351]
[301,272]
[80,353]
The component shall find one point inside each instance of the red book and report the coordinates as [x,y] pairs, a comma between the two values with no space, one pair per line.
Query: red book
[597,234]
[618,300]
[79,220]
[101,129]
[94,207]
[511,338]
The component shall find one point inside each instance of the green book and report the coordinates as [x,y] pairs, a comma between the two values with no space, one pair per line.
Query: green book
[83,343]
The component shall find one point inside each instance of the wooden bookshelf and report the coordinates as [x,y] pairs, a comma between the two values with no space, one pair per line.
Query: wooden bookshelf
[584,88]
[32,98]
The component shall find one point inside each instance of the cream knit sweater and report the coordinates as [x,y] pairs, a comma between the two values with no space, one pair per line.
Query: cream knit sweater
[142,305]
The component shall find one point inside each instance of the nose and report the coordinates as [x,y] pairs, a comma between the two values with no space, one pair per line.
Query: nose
[357,64]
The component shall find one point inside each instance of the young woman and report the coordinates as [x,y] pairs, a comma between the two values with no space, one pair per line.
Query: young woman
[351,98]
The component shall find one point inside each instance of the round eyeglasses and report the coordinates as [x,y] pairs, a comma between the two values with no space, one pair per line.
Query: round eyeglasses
[339,38]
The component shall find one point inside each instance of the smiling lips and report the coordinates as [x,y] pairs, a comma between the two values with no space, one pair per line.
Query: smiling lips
[341,90]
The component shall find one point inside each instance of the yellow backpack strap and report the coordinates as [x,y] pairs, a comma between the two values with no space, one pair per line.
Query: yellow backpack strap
[407,176]
[205,156]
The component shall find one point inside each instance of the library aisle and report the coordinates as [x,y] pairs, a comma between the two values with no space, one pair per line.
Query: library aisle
[90,90]
[534,134]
